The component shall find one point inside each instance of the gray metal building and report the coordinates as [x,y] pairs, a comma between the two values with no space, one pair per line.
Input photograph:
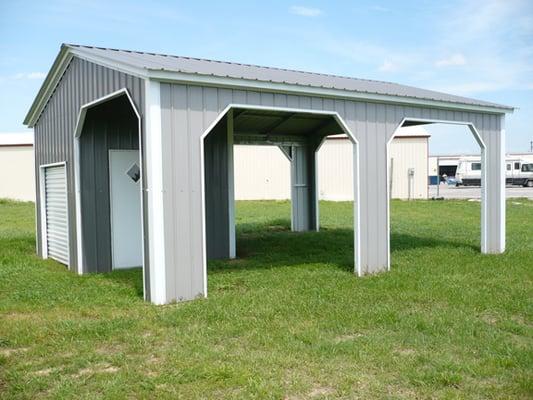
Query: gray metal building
[134,158]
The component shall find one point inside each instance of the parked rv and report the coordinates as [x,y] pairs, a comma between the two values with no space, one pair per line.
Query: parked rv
[517,172]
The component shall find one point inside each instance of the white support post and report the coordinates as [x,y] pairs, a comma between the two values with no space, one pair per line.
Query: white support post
[502,197]
[356,212]
[303,191]
[154,187]
[493,191]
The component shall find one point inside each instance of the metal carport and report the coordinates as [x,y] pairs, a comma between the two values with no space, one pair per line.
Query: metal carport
[181,101]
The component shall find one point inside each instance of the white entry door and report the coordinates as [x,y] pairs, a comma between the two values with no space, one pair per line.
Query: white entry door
[125,198]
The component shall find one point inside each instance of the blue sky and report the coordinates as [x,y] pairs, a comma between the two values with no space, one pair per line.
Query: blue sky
[481,49]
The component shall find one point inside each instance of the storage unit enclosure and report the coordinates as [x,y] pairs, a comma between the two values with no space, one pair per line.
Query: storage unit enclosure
[146,141]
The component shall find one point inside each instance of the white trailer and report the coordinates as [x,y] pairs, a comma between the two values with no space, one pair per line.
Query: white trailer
[517,172]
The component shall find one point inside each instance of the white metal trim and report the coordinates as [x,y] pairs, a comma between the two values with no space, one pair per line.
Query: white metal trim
[344,126]
[503,199]
[42,198]
[83,109]
[77,178]
[77,197]
[156,227]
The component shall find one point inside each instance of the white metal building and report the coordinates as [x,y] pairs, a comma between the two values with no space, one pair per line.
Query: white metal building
[263,172]
[17,173]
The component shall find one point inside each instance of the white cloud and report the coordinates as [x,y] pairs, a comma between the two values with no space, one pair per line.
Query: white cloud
[29,75]
[305,11]
[22,76]
[387,66]
[453,60]
[36,75]
[370,55]
[492,47]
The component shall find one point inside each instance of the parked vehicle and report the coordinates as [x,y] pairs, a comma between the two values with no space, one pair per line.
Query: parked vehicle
[525,177]
[518,172]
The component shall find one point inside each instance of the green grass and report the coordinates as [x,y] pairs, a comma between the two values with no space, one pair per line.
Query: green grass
[287,319]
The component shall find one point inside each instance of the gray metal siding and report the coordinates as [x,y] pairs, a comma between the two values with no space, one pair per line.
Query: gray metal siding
[187,111]
[81,83]
[111,125]
[216,191]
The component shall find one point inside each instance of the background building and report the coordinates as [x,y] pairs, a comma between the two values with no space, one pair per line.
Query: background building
[263,172]
[17,176]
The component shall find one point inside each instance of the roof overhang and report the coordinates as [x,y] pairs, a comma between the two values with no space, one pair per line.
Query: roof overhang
[67,53]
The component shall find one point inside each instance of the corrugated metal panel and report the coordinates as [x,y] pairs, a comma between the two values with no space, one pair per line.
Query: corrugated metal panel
[203,67]
[81,83]
[56,213]
[217,156]
[188,110]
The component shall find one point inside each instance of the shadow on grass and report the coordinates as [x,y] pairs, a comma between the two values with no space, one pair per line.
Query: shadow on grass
[272,245]
[402,241]
[131,277]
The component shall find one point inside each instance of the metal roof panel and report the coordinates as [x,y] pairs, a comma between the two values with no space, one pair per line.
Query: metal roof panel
[162,62]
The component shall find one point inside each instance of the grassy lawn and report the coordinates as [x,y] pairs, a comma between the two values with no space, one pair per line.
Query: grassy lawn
[286,320]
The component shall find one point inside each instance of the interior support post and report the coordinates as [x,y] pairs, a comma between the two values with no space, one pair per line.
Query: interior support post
[492,132]
[303,188]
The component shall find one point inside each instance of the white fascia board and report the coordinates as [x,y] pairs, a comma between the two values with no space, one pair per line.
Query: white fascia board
[238,83]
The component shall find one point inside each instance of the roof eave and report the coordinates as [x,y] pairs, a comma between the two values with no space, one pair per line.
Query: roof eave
[67,53]
[240,83]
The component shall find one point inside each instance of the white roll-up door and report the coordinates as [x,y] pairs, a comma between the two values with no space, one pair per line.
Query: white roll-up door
[56,213]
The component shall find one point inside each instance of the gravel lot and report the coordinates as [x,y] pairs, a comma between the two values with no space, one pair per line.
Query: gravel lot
[470,192]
